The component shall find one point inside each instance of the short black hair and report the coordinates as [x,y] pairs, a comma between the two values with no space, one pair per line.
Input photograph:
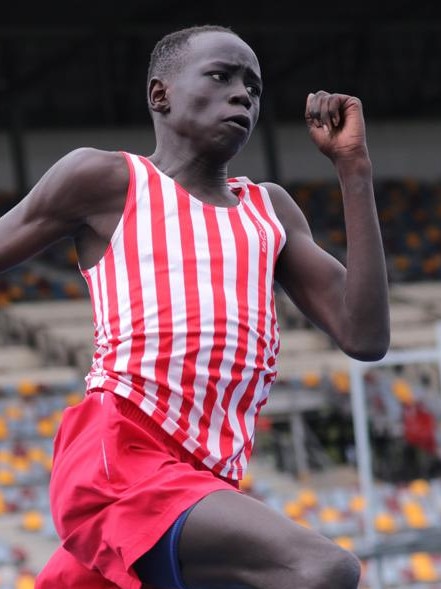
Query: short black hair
[167,54]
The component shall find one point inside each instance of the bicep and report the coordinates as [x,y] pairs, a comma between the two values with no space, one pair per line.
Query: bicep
[312,278]
[48,213]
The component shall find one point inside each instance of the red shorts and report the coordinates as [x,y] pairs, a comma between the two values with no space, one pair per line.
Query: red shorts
[118,483]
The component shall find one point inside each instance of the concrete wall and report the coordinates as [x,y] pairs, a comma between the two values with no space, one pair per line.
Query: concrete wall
[398,149]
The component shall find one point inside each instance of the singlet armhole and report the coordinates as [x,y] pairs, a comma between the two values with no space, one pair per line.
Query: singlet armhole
[130,196]
[272,215]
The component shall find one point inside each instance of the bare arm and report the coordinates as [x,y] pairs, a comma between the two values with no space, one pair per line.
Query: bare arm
[350,303]
[74,191]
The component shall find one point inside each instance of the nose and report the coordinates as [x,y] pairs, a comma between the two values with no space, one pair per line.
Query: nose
[239,95]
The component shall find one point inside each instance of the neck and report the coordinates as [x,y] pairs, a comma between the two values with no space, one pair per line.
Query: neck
[200,177]
[207,184]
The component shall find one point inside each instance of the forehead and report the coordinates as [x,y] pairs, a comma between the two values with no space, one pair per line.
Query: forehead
[226,47]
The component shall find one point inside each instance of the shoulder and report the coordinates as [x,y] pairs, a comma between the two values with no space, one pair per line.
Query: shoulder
[86,180]
[279,196]
[88,164]
[83,182]
[285,206]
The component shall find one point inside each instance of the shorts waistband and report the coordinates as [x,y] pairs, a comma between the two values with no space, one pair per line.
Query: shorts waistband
[131,411]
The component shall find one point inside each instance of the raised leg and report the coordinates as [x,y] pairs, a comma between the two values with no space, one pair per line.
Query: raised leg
[231,540]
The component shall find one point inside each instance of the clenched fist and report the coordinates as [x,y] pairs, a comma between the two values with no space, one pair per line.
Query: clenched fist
[336,125]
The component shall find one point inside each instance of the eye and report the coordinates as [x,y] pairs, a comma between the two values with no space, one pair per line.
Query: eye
[220,76]
[254,90]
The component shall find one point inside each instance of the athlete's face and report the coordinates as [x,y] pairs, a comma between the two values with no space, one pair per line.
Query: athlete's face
[214,99]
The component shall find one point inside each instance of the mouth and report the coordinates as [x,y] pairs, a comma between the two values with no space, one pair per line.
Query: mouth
[241,121]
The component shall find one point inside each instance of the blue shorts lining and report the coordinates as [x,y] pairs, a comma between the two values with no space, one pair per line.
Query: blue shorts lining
[160,566]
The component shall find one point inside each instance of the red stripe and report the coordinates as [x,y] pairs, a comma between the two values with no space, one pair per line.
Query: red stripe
[192,306]
[242,278]
[220,322]
[202,454]
[98,354]
[88,279]
[131,254]
[114,328]
[247,398]
[163,295]
[258,201]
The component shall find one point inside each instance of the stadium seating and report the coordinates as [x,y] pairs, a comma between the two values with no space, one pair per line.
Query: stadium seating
[46,344]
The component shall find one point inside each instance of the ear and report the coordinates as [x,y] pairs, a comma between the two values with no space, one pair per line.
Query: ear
[157,96]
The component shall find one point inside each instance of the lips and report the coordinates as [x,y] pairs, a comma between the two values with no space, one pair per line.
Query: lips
[240,120]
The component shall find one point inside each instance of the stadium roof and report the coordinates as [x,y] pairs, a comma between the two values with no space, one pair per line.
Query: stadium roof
[84,63]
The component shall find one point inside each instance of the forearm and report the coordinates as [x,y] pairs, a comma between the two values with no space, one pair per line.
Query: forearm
[366,287]
[16,247]
[23,236]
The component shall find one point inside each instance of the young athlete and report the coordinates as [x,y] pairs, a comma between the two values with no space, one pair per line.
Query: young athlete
[180,261]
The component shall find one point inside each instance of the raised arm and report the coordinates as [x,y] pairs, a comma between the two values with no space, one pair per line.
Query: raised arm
[349,302]
[74,191]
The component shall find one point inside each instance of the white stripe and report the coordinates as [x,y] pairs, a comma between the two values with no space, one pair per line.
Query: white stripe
[147,277]
[177,297]
[206,315]
[124,326]
[229,285]
[100,339]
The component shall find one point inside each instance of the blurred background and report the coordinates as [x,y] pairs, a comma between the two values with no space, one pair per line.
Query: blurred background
[352,452]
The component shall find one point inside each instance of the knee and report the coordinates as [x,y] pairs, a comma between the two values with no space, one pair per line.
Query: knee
[314,563]
[335,568]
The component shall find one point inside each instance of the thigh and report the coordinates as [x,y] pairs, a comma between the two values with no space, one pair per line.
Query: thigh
[231,539]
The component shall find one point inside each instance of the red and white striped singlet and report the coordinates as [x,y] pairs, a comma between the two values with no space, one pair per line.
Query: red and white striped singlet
[184,313]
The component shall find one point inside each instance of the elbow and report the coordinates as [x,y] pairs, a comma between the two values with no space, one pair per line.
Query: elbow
[368,349]
[372,354]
